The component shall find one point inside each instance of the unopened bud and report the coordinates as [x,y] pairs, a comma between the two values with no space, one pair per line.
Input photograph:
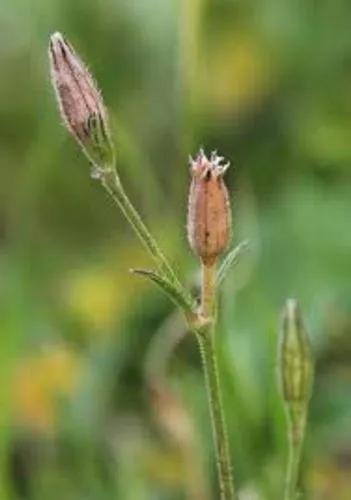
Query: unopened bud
[80,102]
[209,217]
[295,358]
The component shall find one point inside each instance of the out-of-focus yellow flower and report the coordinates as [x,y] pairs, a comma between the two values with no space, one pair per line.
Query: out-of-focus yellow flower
[93,296]
[41,381]
[100,295]
[164,466]
[328,477]
[239,75]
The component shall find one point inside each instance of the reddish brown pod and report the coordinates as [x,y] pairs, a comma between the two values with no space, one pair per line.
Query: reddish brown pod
[80,102]
[209,215]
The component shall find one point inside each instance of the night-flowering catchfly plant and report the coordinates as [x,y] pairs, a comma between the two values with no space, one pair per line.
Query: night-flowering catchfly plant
[209,226]
[209,223]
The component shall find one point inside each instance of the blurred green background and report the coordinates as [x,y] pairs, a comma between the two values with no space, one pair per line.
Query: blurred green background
[101,397]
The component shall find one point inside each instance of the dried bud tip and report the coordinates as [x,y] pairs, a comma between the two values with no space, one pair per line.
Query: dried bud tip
[202,166]
[209,217]
[295,358]
[80,102]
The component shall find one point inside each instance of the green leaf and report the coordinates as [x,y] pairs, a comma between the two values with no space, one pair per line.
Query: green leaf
[180,298]
[230,260]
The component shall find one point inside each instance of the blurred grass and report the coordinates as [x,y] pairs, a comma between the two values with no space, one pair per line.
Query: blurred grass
[268,84]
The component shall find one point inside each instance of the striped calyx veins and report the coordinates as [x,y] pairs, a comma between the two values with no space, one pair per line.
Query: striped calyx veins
[209,216]
[80,102]
[295,358]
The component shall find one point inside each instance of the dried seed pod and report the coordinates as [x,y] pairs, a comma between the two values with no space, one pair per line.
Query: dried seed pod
[295,358]
[209,217]
[80,102]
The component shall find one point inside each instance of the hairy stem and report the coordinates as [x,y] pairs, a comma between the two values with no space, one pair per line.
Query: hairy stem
[296,431]
[210,366]
[112,184]
[205,332]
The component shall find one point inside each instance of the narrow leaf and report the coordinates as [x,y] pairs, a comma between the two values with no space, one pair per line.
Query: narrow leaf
[230,260]
[183,300]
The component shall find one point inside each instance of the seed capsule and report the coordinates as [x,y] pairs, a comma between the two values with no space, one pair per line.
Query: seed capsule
[80,102]
[209,217]
[295,358]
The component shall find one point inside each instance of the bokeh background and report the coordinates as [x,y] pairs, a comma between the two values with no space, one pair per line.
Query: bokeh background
[101,391]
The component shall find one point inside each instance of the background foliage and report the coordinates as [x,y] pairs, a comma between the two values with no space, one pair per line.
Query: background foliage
[94,404]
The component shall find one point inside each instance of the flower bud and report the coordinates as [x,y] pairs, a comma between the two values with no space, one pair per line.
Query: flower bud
[295,358]
[80,102]
[209,217]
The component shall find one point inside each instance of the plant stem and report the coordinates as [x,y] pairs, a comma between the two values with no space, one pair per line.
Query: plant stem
[209,360]
[205,333]
[113,185]
[296,416]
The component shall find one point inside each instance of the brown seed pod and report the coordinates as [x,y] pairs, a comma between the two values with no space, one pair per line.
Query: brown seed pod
[209,217]
[80,102]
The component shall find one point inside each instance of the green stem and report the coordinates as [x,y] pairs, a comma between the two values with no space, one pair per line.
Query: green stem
[296,416]
[113,185]
[205,332]
[206,338]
